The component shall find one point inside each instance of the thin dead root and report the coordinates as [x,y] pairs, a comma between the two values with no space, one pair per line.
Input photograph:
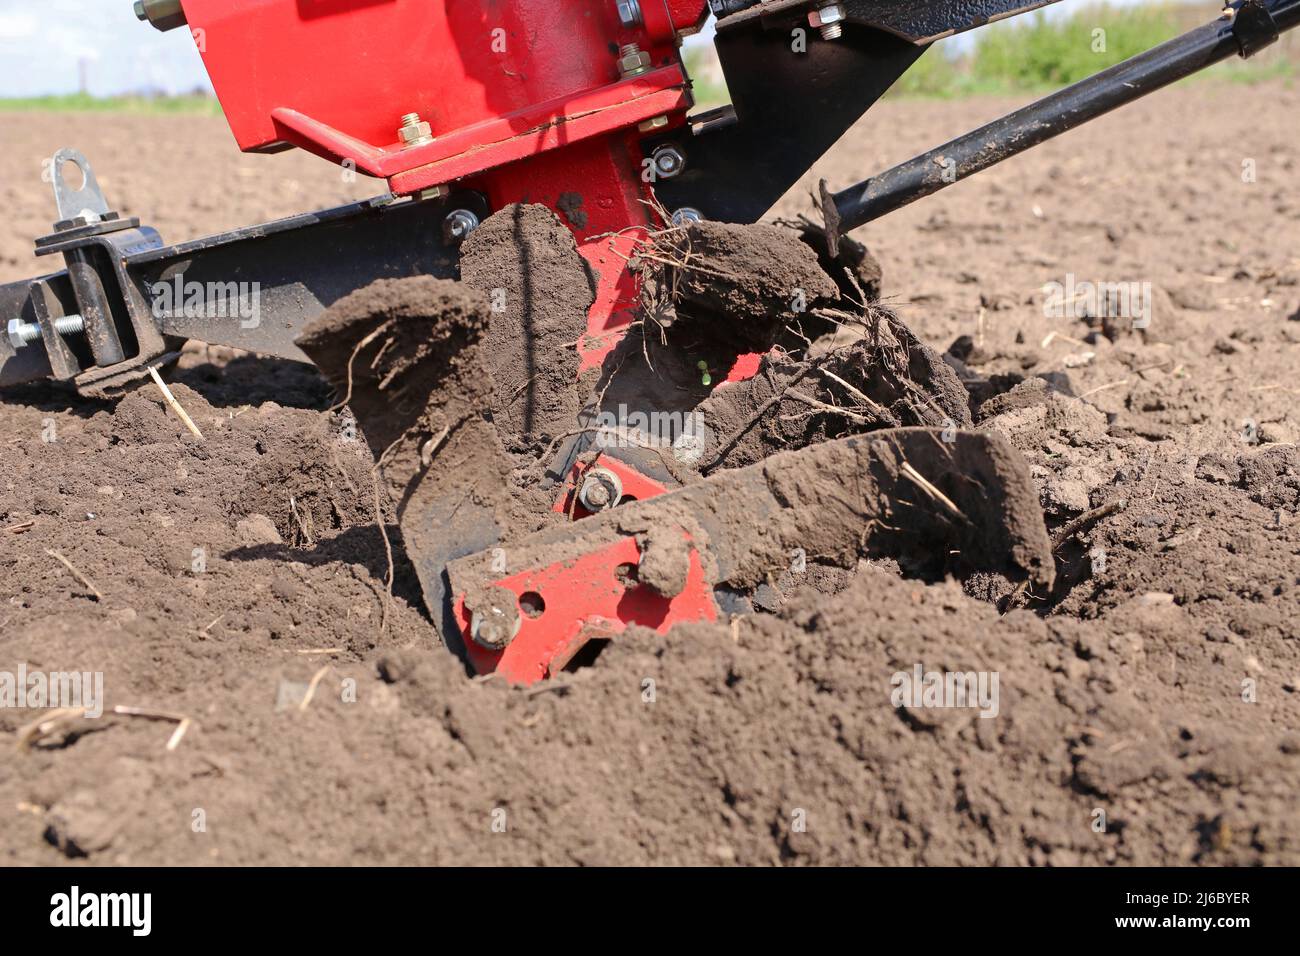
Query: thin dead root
[1086,521]
[85,581]
[302,525]
[930,489]
[182,721]
[853,390]
[174,405]
[311,687]
[831,409]
[49,724]
[383,533]
[352,360]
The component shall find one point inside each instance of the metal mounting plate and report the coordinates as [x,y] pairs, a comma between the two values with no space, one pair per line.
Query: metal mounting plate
[76,202]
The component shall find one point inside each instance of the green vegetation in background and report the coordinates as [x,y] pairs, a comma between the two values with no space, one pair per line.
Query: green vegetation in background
[935,74]
[1040,53]
[82,102]
[1035,53]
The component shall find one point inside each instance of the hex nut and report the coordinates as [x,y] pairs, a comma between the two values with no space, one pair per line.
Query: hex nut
[668,161]
[827,15]
[600,489]
[633,61]
[415,134]
[629,13]
[15,334]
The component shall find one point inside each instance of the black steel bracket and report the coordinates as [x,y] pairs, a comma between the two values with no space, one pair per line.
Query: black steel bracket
[795,93]
[1254,26]
[132,294]
[917,21]
[788,108]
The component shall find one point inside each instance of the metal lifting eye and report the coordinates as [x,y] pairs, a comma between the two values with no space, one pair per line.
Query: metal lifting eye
[84,200]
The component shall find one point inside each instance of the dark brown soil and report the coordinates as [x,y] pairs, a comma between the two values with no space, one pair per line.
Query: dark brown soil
[1147,707]
[746,282]
[406,355]
[526,264]
[868,375]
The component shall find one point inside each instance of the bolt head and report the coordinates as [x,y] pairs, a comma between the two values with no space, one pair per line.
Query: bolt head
[494,629]
[629,13]
[687,215]
[601,489]
[458,225]
[596,494]
[668,161]
[634,63]
[827,15]
[15,333]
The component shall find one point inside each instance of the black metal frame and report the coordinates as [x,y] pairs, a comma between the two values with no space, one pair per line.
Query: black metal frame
[789,107]
[299,266]
[787,110]
[916,21]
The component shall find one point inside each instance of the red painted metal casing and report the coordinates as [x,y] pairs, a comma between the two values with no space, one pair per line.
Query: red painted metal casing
[358,66]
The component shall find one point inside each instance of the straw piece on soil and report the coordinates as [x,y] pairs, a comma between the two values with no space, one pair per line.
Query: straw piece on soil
[183,415]
[85,581]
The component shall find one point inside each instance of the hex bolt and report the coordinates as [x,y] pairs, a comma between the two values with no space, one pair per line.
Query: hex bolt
[632,60]
[493,629]
[458,225]
[414,131]
[669,161]
[829,19]
[629,14]
[687,215]
[21,333]
[601,489]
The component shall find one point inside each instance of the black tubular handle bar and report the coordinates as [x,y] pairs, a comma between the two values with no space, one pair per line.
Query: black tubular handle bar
[1243,28]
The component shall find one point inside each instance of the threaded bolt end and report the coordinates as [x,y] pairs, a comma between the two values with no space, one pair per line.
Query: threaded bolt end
[23,333]
[832,31]
[68,325]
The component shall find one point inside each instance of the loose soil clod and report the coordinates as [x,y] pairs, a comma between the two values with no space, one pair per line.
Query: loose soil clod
[525,263]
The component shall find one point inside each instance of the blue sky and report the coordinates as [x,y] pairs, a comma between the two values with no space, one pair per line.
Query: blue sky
[44,44]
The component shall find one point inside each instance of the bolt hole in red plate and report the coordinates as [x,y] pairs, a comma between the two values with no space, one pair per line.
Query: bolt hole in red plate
[532,604]
[581,600]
